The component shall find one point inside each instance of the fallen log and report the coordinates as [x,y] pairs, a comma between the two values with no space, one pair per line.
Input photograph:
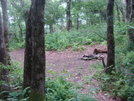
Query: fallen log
[98,51]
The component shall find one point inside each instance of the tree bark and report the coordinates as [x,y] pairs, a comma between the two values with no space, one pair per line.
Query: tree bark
[110,37]
[38,51]
[51,28]
[128,10]
[130,19]
[123,11]
[5,24]
[22,6]
[21,34]
[118,12]
[131,31]
[3,62]
[68,15]
[77,22]
[28,52]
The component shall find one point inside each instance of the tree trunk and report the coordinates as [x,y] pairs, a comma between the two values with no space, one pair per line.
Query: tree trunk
[123,12]
[68,15]
[118,12]
[28,52]
[110,37]
[77,22]
[51,28]
[38,51]
[132,11]
[5,24]
[131,31]
[3,63]
[21,34]
[130,19]
[128,10]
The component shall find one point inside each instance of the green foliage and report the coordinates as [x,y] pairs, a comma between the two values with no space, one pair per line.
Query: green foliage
[14,44]
[125,64]
[94,10]
[17,14]
[75,39]
[121,28]
[121,82]
[56,41]
[117,85]
[2,66]
[53,12]
[16,75]
[56,90]
[120,31]
[61,90]
[20,95]
[76,47]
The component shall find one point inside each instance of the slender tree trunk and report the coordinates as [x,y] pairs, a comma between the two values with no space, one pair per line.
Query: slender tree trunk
[22,5]
[3,63]
[132,11]
[21,34]
[130,19]
[38,51]
[118,12]
[100,19]
[131,31]
[68,15]
[128,10]
[123,12]
[120,9]
[77,22]
[91,19]
[51,28]
[110,37]
[5,24]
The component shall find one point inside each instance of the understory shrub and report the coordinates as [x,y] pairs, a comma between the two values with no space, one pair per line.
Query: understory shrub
[121,83]
[56,90]
[117,85]
[15,74]
[16,44]
[83,36]
[61,90]
[61,40]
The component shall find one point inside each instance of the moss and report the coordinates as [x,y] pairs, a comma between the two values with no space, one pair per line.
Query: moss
[35,96]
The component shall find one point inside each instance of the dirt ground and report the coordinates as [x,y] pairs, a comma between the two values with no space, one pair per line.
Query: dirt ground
[68,63]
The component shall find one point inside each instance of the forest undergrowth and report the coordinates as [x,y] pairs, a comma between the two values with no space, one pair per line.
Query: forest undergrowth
[119,84]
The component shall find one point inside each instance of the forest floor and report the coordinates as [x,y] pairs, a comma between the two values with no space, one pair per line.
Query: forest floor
[68,63]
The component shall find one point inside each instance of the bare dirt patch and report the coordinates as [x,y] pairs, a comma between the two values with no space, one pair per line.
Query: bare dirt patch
[68,63]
